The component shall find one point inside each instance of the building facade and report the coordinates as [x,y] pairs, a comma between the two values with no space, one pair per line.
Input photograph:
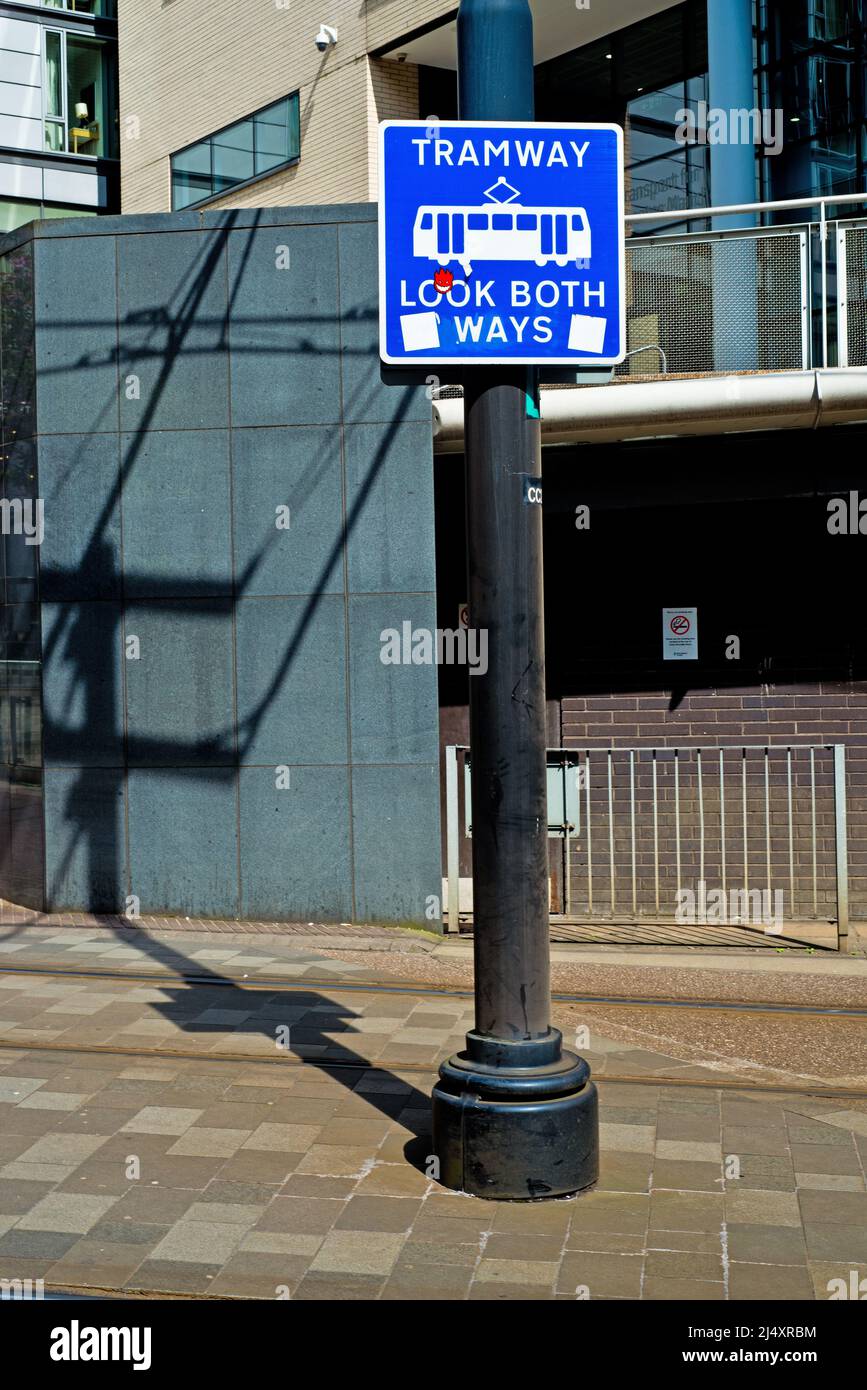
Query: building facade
[184,83]
[191,93]
[58,110]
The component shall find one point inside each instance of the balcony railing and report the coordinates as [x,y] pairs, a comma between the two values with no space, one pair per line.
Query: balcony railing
[788,296]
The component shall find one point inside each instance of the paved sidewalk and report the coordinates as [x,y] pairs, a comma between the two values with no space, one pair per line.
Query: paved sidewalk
[304,1171]
[180,953]
[642,937]
[14,918]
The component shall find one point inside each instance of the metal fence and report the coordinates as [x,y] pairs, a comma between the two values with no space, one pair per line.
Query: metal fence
[724,302]
[810,272]
[747,835]
[769,298]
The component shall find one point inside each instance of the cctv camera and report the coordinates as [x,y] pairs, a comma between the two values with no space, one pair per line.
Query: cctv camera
[325,38]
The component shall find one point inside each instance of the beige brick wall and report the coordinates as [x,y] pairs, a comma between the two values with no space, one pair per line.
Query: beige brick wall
[388,19]
[392,95]
[187,68]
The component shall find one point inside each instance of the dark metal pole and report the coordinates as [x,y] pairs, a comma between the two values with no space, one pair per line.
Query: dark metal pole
[504,555]
[507,711]
[515,1115]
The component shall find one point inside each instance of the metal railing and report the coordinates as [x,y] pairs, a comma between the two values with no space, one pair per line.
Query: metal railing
[768,298]
[727,301]
[744,835]
[788,275]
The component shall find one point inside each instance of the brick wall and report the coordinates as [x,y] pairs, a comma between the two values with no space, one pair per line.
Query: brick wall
[392,95]
[701,724]
[717,524]
[185,74]
[387,20]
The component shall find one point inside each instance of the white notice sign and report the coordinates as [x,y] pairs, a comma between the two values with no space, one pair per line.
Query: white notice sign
[680,634]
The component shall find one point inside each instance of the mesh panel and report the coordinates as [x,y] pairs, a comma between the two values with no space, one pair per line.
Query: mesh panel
[734,304]
[730,305]
[856,295]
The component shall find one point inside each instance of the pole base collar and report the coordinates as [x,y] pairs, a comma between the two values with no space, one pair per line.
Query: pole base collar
[516,1133]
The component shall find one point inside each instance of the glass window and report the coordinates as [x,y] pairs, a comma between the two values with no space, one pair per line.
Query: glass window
[233,156]
[14,214]
[262,142]
[273,127]
[831,19]
[526,222]
[104,9]
[84,82]
[502,222]
[99,9]
[53,85]
[51,212]
[191,175]
[53,74]
[812,69]
[426,221]
[80,105]
[477,222]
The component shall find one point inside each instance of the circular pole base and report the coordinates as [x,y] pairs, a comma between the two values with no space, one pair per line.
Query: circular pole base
[516,1121]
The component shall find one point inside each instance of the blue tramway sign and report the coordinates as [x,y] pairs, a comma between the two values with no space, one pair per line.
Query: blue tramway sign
[501,243]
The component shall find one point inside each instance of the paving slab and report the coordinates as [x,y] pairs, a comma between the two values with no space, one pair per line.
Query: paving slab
[263,1171]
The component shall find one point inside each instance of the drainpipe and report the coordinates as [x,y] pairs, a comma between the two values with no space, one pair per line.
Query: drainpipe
[701,406]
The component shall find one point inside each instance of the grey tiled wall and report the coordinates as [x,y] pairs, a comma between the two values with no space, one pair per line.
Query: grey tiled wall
[21,840]
[186,388]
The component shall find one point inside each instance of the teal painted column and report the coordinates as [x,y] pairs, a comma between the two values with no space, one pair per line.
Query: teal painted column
[731,88]
[733,180]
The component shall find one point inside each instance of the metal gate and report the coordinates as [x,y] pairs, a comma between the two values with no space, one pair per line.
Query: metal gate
[750,835]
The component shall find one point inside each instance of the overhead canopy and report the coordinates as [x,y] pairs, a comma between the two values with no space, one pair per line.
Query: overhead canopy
[558,27]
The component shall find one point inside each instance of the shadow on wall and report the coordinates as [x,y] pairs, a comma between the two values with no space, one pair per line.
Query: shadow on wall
[89,647]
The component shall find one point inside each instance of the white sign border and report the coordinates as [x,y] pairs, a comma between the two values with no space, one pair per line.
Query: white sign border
[469,362]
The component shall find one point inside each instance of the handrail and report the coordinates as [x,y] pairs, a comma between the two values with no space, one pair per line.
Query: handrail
[692,214]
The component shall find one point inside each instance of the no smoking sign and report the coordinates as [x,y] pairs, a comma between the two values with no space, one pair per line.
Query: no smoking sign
[679,634]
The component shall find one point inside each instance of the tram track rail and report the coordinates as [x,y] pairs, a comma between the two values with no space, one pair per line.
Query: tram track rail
[397,1067]
[279,985]
[330,986]
[100,1293]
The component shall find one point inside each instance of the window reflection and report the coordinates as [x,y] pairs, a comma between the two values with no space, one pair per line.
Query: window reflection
[811,69]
